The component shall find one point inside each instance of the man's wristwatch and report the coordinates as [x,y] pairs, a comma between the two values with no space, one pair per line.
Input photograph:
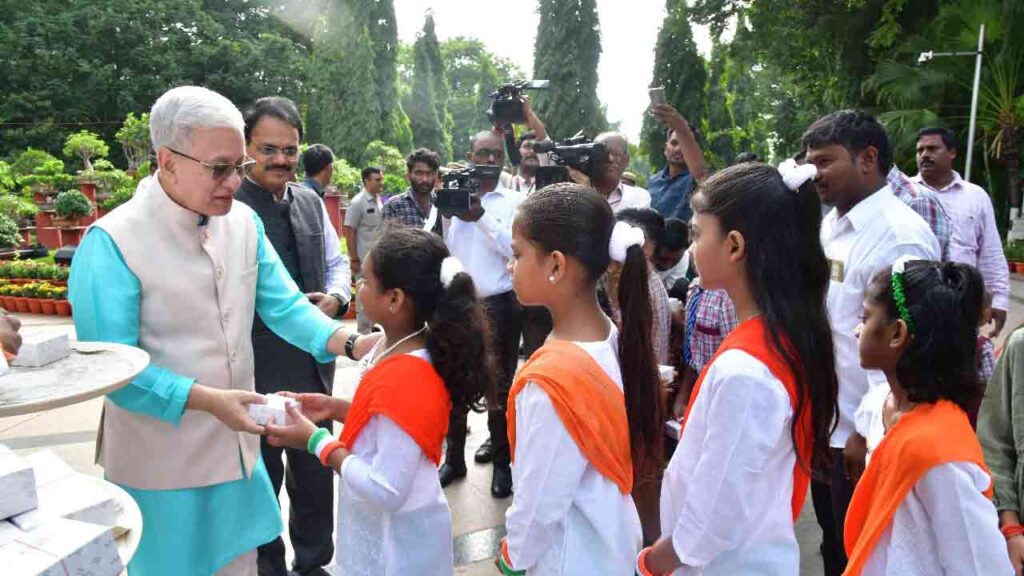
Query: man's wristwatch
[343,308]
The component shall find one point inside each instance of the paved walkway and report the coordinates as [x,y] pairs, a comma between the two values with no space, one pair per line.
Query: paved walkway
[478,519]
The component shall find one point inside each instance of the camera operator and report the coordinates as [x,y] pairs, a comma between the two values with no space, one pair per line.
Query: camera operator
[607,177]
[530,160]
[481,238]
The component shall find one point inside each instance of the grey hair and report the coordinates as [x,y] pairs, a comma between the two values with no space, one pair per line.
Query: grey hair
[607,137]
[180,111]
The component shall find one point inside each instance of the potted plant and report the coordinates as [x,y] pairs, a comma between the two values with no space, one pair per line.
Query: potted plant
[60,301]
[45,179]
[70,206]
[46,302]
[19,300]
[6,300]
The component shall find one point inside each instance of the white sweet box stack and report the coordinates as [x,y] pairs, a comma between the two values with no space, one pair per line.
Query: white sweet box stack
[54,521]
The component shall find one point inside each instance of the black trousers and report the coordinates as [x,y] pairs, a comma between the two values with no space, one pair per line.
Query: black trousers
[831,499]
[536,327]
[310,488]
[506,318]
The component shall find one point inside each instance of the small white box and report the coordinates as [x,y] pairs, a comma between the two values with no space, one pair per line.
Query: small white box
[60,547]
[673,428]
[41,350]
[666,373]
[48,467]
[17,486]
[276,408]
[76,497]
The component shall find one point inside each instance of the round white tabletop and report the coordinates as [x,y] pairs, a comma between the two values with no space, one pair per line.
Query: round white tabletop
[92,369]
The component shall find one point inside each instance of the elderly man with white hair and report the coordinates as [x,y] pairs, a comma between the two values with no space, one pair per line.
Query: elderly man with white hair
[608,177]
[179,271]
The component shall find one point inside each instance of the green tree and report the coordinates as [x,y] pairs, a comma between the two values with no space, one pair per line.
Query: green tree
[384,34]
[473,73]
[681,70]
[86,146]
[567,52]
[134,139]
[428,111]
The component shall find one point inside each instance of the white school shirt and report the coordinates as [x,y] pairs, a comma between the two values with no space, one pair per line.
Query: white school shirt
[566,518]
[945,525]
[393,517]
[859,245]
[484,247]
[726,497]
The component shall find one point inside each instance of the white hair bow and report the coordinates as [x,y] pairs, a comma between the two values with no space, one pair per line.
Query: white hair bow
[450,267]
[624,236]
[796,175]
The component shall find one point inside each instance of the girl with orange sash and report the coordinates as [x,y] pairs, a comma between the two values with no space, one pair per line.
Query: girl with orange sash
[923,505]
[393,517]
[584,413]
[759,417]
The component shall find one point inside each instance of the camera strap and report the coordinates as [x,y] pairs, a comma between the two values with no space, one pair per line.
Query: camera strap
[428,225]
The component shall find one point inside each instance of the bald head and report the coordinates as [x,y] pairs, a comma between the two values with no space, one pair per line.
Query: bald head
[615,141]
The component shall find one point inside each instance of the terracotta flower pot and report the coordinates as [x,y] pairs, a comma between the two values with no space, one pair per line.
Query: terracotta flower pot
[35,306]
[48,307]
[63,307]
[1019,266]
[21,304]
[7,303]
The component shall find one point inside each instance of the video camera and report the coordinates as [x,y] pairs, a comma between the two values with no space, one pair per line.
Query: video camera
[459,186]
[507,107]
[577,152]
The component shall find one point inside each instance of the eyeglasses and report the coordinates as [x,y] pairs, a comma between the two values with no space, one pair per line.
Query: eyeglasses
[488,152]
[271,151]
[221,171]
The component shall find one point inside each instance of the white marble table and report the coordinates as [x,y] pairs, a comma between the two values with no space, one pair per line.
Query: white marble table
[92,369]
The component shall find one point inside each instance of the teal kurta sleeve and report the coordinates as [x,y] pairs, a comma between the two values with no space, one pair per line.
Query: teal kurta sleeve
[104,296]
[285,309]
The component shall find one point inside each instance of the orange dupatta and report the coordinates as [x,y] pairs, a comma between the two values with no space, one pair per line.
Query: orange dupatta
[589,404]
[410,392]
[927,436]
[752,337]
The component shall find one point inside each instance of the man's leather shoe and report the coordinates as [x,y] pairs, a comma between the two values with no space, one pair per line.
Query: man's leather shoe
[485,453]
[450,472]
[501,482]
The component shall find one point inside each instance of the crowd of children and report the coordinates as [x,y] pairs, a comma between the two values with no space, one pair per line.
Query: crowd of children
[593,493]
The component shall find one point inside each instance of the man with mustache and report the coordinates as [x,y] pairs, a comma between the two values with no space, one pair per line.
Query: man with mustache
[416,206]
[299,229]
[529,161]
[975,239]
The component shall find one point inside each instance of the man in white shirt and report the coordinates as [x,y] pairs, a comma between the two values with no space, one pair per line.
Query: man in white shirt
[481,238]
[975,239]
[144,182]
[609,182]
[867,229]
[529,161]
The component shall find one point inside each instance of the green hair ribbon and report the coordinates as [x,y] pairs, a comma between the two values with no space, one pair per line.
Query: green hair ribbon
[898,294]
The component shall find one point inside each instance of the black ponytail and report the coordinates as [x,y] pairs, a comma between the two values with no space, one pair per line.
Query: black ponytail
[640,382]
[410,259]
[789,278]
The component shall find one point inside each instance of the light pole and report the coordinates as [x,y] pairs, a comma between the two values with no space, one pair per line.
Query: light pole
[926,56]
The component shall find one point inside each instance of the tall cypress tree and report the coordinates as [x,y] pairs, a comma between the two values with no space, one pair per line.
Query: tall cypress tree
[682,71]
[567,51]
[344,112]
[383,30]
[427,128]
[431,49]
